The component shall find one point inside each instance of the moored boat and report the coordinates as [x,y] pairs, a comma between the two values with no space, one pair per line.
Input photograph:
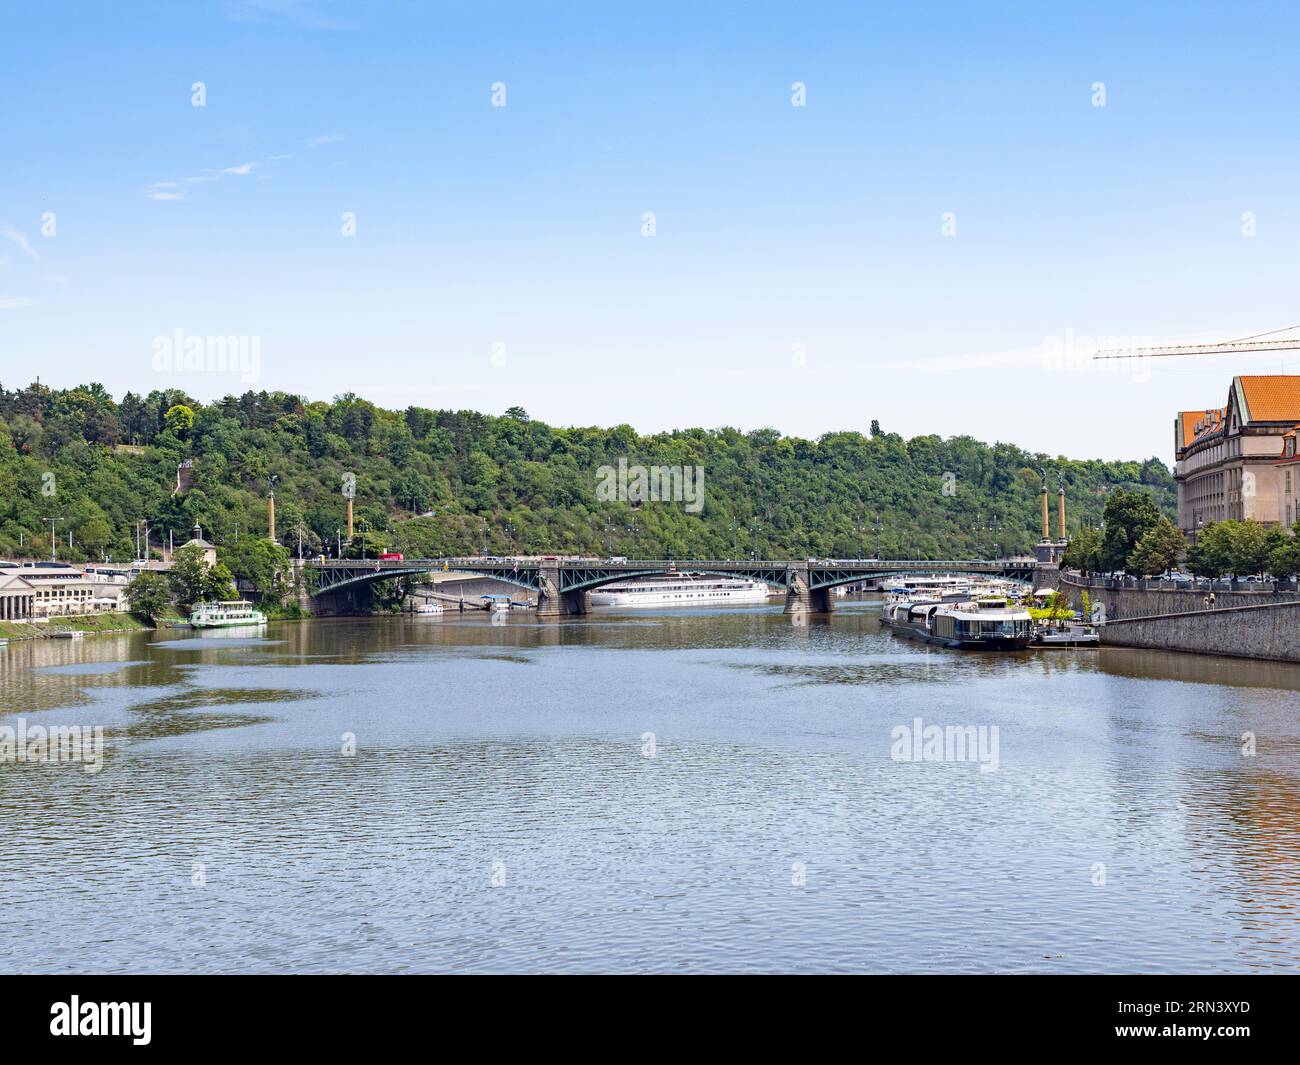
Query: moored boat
[1070,636]
[226,614]
[982,625]
[680,589]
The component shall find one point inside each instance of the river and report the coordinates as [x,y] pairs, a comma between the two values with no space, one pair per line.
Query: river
[675,791]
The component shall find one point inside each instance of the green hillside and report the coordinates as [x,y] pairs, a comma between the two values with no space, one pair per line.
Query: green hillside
[511,483]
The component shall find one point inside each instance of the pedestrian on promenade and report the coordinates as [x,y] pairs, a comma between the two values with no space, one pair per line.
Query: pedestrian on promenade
[1211,600]
[1206,601]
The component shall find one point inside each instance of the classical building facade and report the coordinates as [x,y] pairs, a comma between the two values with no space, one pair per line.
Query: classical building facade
[1227,458]
[17,596]
[33,590]
[1289,467]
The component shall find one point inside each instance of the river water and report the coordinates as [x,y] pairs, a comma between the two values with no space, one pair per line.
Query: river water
[688,791]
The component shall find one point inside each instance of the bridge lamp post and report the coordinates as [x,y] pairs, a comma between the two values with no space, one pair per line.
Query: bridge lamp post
[361,528]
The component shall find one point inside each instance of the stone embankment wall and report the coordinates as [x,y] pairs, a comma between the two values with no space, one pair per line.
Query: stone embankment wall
[1125,602]
[1269,631]
[1243,624]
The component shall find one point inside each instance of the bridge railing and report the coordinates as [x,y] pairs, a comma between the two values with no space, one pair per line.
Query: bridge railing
[870,563]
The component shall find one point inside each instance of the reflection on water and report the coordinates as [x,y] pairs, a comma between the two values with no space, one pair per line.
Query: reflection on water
[676,791]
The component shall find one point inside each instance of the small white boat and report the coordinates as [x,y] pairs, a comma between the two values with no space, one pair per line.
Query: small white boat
[226,614]
[428,608]
[1070,636]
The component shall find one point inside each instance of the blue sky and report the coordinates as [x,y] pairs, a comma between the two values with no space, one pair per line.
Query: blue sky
[798,275]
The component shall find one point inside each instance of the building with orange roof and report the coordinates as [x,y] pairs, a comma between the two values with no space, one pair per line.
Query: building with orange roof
[1227,460]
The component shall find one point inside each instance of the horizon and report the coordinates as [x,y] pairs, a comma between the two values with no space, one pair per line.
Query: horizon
[757,215]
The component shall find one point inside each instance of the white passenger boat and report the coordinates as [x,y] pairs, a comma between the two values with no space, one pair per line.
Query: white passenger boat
[428,608]
[680,589]
[227,614]
[935,587]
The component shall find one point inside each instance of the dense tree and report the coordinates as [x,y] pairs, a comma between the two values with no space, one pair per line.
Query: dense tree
[256,560]
[1251,545]
[188,575]
[1084,552]
[149,596]
[179,419]
[518,484]
[1284,561]
[1159,550]
[1127,517]
[1240,548]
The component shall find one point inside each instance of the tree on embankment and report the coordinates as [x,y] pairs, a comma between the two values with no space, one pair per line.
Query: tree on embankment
[1159,550]
[150,596]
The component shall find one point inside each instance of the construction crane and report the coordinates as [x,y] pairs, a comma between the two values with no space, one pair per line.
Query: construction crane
[1246,345]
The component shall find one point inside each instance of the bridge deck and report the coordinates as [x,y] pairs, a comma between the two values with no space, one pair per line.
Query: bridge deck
[568,575]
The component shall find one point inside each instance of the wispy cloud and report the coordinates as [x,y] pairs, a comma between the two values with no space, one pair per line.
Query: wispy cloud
[8,303]
[9,233]
[176,190]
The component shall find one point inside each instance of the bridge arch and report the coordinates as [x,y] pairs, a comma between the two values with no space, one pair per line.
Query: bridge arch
[341,579]
[588,580]
[855,575]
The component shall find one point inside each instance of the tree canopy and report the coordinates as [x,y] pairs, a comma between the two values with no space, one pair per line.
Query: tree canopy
[432,482]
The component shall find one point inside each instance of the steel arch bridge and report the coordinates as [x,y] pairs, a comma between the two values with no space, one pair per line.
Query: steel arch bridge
[551,578]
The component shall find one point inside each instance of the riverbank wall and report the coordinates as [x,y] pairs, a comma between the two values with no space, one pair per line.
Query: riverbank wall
[1264,631]
[1123,599]
[1158,615]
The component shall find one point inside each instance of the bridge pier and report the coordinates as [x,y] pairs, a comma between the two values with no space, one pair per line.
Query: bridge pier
[800,599]
[552,603]
[302,594]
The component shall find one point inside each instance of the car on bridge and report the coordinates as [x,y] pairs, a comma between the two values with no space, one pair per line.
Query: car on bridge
[392,556]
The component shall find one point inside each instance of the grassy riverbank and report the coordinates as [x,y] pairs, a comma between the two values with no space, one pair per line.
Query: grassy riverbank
[19,630]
